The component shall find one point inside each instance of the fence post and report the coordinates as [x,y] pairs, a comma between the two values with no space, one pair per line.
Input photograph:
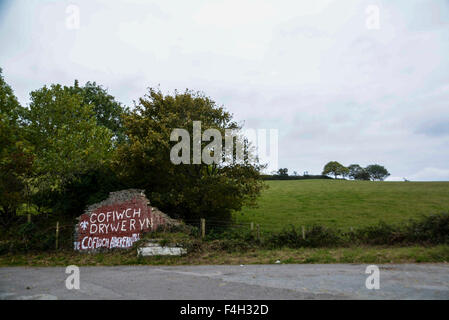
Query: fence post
[203,228]
[303,233]
[57,234]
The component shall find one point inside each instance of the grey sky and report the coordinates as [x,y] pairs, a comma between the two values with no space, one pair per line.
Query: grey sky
[335,89]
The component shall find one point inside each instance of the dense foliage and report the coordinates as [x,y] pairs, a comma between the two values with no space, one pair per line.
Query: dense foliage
[184,190]
[66,137]
[72,145]
[428,230]
[336,169]
[16,158]
[356,172]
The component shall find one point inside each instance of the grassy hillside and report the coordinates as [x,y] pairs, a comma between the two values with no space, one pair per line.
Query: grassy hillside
[344,204]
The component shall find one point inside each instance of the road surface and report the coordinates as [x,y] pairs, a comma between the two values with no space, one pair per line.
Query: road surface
[278,281]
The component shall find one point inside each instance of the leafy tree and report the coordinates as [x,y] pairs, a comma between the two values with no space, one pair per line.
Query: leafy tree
[377,172]
[282,172]
[344,172]
[15,156]
[363,175]
[335,168]
[88,188]
[188,191]
[107,110]
[65,135]
[93,184]
[356,172]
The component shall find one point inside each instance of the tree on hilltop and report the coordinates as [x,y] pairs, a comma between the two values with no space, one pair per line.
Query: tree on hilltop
[336,169]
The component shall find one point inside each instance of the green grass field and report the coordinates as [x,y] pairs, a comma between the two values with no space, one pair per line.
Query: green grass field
[344,204]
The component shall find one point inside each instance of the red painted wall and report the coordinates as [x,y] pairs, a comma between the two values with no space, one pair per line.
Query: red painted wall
[115,226]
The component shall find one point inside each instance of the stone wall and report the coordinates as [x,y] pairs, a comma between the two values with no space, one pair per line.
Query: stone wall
[118,222]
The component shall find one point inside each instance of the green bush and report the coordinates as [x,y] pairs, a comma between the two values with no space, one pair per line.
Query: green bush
[314,236]
[379,234]
[320,236]
[429,230]
[29,237]
[433,229]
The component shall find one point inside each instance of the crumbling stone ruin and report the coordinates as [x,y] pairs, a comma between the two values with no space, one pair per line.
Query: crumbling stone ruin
[118,222]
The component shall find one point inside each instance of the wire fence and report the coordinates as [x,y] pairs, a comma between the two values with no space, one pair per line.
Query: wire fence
[205,227]
[212,223]
[211,226]
[432,229]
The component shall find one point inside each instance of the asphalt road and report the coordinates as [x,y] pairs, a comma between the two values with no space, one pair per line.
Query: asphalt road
[308,281]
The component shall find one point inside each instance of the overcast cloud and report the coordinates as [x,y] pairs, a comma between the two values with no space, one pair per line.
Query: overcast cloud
[335,89]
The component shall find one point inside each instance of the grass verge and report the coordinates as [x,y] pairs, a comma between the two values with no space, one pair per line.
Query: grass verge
[366,254]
